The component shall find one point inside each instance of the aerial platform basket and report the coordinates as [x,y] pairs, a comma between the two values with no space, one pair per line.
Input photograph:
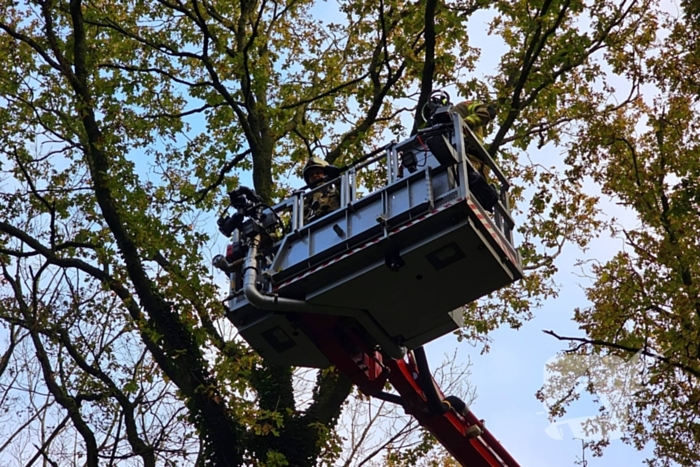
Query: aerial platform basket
[398,264]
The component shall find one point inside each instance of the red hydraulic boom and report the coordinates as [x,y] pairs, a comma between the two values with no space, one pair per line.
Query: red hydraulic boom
[342,343]
[455,427]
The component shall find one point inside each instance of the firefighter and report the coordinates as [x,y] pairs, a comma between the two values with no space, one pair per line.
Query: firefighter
[325,200]
[477,116]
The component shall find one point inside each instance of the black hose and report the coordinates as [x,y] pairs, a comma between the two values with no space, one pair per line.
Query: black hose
[393,398]
[458,404]
[425,381]
[285,229]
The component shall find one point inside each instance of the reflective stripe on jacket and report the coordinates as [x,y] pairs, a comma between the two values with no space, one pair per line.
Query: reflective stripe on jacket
[475,114]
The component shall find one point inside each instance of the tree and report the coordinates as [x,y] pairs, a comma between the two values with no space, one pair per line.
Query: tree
[645,300]
[110,180]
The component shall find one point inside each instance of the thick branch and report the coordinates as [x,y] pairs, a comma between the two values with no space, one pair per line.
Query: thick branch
[426,85]
[227,167]
[331,391]
[189,371]
[531,55]
[7,355]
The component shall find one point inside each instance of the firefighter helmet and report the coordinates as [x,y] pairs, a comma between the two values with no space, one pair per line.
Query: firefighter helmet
[314,162]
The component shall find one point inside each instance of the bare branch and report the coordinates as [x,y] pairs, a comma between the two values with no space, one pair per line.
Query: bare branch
[633,350]
[43,447]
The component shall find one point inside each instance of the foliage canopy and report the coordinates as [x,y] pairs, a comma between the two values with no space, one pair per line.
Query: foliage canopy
[124,124]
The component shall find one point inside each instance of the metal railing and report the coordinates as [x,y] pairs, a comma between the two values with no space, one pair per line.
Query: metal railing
[347,183]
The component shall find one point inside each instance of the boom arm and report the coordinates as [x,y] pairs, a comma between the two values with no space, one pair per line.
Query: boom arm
[462,434]
[459,431]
